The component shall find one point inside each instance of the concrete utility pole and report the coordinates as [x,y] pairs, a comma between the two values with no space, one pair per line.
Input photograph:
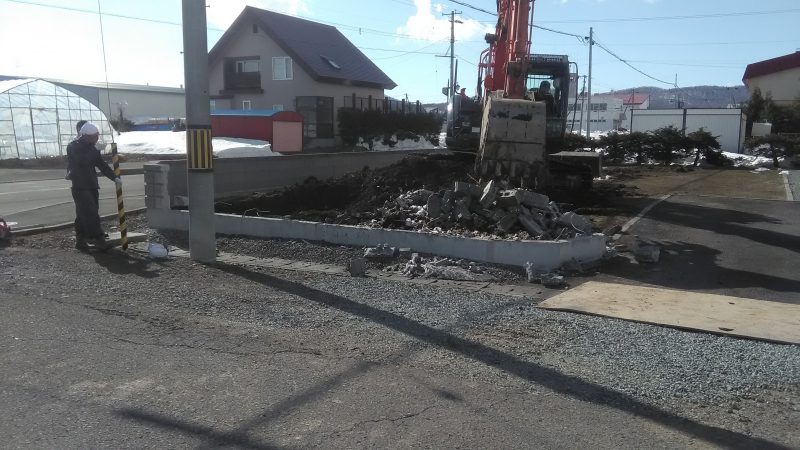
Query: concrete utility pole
[199,154]
[451,90]
[589,95]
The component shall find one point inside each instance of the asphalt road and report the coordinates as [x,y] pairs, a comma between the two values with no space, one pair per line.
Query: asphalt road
[739,247]
[49,201]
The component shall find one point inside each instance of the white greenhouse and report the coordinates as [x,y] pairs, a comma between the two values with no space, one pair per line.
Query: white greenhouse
[38,118]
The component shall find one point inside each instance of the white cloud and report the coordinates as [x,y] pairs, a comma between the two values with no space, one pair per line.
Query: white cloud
[432,26]
[221,13]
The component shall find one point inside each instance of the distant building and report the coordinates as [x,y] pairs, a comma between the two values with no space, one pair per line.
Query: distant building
[267,60]
[607,113]
[777,77]
[634,100]
[136,102]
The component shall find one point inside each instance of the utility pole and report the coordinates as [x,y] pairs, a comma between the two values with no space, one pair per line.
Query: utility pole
[589,95]
[199,154]
[453,21]
[583,100]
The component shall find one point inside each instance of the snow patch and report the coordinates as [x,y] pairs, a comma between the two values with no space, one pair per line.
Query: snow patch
[169,142]
[402,144]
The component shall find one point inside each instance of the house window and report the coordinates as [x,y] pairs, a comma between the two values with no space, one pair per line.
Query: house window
[212,105]
[277,107]
[599,106]
[243,73]
[246,105]
[317,115]
[282,68]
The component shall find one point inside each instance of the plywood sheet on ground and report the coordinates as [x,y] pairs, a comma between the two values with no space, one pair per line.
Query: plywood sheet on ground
[734,316]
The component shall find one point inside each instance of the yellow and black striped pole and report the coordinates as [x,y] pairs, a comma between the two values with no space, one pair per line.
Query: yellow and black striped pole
[123,225]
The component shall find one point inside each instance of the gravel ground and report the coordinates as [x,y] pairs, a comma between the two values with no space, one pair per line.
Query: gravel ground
[672,369]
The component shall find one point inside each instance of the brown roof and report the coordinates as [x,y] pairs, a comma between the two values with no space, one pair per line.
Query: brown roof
[321,50]
[773,65]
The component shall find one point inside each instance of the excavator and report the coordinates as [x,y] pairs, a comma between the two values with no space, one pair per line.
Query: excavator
[517,120]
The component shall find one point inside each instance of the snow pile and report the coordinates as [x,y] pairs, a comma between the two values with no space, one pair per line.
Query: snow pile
[748,161]
[398,144]
[169,142]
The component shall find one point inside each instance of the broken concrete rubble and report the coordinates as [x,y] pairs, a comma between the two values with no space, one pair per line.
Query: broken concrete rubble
[382,251]
[647,253]
[445,269]
[489,212]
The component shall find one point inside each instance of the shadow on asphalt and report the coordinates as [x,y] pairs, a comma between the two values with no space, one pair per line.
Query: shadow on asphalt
[125,264]
[556,381]
[724,221]
[687,266]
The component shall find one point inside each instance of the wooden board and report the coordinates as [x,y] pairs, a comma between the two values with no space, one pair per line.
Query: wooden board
[733,316]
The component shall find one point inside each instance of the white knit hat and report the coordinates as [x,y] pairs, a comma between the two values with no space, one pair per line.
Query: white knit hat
[89,129]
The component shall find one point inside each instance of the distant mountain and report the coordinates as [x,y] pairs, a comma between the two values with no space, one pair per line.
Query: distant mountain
[692,97]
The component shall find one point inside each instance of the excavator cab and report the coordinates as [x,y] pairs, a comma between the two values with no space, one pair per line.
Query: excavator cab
[553,72]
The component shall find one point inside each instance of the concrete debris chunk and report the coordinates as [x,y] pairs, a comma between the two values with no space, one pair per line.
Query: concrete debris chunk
[534,272]
[462,211]
[507,199]
[507,223]
[357,267]
[467,189]
[447,201]
[489,194]
[532,199]
[530,225]
[553,280]
[445,269]
[576,222]
[434,206]
[382,251]
[647,253]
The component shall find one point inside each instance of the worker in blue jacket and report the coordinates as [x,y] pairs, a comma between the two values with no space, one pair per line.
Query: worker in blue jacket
[82,159]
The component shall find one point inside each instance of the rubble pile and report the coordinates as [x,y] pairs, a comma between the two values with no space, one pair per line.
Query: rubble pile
[482,211]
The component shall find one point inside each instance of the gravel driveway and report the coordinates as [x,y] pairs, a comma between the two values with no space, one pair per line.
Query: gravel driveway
[502,350]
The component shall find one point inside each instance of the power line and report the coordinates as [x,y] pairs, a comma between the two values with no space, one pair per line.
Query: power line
[629,64]
[467,5]
[682,17]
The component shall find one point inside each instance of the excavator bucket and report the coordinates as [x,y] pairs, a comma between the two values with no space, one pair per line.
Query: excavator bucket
[512,142]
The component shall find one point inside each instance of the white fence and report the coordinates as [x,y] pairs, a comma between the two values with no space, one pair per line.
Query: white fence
[728,124]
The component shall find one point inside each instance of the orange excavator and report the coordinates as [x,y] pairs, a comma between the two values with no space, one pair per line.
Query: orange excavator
[518,118]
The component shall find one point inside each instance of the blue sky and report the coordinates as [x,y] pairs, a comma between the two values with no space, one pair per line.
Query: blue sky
[711,42]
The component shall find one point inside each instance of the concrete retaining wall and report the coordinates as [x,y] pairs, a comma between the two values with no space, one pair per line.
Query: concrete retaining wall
[546,254]
[236,176]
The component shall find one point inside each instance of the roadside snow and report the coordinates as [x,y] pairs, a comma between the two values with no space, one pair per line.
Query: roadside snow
[169,142]
[402,144]
[742,160]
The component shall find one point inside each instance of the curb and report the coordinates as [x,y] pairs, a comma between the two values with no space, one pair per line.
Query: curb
[122,172]
[61,226]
